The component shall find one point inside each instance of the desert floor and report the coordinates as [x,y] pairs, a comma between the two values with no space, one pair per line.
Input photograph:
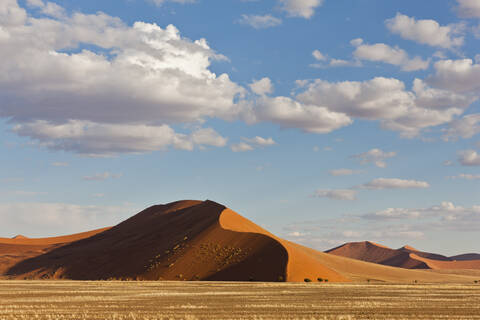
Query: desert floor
[215,300]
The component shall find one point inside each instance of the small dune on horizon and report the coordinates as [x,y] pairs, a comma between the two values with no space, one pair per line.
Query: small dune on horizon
[201,240]
[405,257]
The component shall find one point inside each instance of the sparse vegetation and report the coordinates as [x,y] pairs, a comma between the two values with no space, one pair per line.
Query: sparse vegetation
[116,300]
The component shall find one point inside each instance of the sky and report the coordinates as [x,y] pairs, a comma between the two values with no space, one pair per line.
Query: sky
[323,121]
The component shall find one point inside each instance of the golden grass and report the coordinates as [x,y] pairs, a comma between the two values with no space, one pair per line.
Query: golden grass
[115,300]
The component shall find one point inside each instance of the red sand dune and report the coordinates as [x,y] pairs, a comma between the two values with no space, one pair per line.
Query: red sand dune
[405,257]
[195,240]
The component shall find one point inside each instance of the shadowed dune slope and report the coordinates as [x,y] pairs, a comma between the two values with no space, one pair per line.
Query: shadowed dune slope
[466,256]
[406,257]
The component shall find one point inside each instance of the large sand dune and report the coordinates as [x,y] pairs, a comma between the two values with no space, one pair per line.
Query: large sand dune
[195,240]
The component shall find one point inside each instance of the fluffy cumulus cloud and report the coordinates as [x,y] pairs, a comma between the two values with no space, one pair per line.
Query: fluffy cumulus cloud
[300,8]
[391,55]
[469,158]
[262,86]
[375,156]
[336,194]
[387,100]
[460,76]
[428,32]
[55,218]
[290,113]
[259,21]
[469,8]
[386,183]
[465,127]
[142,79]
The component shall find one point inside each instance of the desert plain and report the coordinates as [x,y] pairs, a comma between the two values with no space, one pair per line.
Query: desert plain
[149,300]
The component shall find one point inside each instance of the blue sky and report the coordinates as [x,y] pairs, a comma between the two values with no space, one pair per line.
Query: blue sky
[322,121]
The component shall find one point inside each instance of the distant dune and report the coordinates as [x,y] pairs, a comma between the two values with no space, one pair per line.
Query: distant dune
[203,240]
[405,257]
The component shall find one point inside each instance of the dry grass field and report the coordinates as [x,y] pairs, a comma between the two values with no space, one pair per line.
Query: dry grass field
[216,300]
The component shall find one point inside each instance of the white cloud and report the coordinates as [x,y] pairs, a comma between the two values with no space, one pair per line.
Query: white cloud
[58,218]
[393,213]
[318,55]
[385,183]
[344,172]
[337,194]
[261,142]
[165,76]
[395,56]
[375,156]
[102,176]
[466,176]
[241,147]
[289,113]
[208,137]
[445,216]
[428,32]
[457,75]
[260,22]
[97,139]
[300,8]
[252,143]
[49,8]
[262,87]
[384,99]
[469,8]
[324,61]
[469,158]
[465,127]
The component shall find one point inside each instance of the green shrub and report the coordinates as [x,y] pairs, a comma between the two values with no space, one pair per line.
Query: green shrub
[320,279]
[326,280]
[307,280]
